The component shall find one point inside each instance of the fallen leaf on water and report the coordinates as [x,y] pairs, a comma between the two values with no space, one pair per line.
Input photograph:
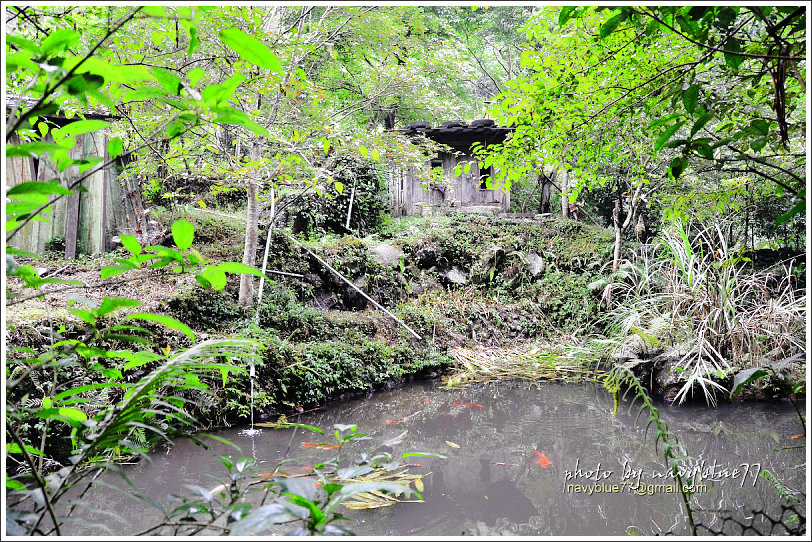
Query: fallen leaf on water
[475,405]
[793,437]
[452,444]
[418,484]
[425,399]
[322,446]
[542,459]
[396,420]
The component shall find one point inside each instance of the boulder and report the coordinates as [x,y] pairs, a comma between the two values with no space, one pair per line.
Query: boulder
[535,264]
[457,276]
[386,254]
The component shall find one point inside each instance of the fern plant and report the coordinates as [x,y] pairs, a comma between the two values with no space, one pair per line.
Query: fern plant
[621,378]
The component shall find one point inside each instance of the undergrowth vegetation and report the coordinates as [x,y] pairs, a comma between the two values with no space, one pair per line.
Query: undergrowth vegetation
[699,298]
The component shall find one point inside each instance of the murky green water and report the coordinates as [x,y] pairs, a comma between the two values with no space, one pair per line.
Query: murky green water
[494,483]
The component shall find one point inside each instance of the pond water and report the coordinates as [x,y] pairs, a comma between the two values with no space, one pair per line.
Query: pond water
[496,481]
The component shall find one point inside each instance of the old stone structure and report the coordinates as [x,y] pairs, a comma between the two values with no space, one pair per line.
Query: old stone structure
[408,195]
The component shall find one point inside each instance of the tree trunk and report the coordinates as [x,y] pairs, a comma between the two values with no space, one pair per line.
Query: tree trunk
[565,200]
[546,192]
[618,234]
[251,232]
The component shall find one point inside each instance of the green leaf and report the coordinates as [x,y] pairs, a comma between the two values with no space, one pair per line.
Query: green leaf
[745,377]
[215,277]
[690,97]
[115,147]
[183,233]
[759,127]
[758,144]
[195,75]
[79,127]
[677,166]
[250,49]
[665,136]
[611,25]
[36,148]
[131,244]
[701,122]
[145,93]
[23,43]
[84,83]
[733,60]
[109,304]
[164,320]
[797,209]
[565,14]
[59,41]
[116,269]
[167,80]
[35,187]
[72,416]
[243,120]
[235,267]
[339,187]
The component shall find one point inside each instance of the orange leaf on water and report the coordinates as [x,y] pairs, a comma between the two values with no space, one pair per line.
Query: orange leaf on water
[475,405]
[395,420]
[793,437]
[542,459]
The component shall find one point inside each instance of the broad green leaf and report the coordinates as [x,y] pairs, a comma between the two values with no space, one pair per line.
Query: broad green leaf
[215,277]
[250,49]
[82,389]
[72,416]
[84,83]
[665,136]
[242,121]
[758,144]
[236,267]
[145,93]
[183,233]
[115,147]
[797,209]
[565,14]
[60,40]
[167,80]
[195,75]
[701,122]
[745,377]
[79,127]
[36,148]
[216,94]
[164,320]
[175,128]
[109,304]
[23,43]
[759,127]
[116,269]
[690,97]
[611,25]
[339,186]
[363,151]
[731,59]
[659,122]
[131,244]
[677,166]
[35,187]
[14,448]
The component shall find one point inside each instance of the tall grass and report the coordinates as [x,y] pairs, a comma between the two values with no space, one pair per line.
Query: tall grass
[698,297]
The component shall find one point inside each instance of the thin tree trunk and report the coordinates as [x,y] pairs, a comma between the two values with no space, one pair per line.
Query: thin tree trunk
[618,234]
[565,200]
[251,229]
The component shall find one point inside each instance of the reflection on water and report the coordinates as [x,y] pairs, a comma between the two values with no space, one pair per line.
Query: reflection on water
[496,482]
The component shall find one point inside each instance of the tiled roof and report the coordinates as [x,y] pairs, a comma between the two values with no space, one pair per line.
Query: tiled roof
[27,103]
[459,134]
